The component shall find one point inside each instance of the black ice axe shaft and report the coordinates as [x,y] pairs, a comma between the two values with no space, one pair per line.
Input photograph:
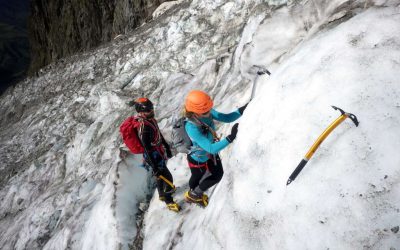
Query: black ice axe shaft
[320,139]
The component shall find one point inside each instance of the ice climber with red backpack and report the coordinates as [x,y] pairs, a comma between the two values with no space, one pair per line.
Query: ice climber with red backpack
[141,134]
[203,159]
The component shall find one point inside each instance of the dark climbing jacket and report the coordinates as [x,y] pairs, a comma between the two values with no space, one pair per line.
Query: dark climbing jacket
[153,141]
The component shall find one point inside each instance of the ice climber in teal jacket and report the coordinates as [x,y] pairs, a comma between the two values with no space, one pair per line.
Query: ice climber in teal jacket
[203,159]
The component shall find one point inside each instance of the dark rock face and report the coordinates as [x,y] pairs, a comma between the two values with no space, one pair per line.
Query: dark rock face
[59,28]
[14,44]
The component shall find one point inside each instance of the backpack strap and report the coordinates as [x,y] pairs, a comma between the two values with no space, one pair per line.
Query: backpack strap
[199,123]
[157,135]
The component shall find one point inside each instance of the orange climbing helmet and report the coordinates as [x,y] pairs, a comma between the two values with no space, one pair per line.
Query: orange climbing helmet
[198,102]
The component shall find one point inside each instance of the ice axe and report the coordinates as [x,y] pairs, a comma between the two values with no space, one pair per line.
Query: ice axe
[259,71]
[320,139]
[168,182]
[151,164]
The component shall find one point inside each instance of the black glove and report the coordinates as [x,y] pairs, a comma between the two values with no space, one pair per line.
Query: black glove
[241,109]
[156,172]
[233,134]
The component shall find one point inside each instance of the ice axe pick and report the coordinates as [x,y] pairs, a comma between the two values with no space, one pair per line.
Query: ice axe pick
[260,71]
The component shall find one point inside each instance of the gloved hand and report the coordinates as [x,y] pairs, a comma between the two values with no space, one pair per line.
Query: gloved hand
[241,109]
[233,134]
[156,172]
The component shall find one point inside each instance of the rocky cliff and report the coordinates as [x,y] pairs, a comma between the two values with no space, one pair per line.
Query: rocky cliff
[61,28]
[14,45]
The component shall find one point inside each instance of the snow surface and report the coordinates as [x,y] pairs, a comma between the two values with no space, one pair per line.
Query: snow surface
[66,182]
[347,197]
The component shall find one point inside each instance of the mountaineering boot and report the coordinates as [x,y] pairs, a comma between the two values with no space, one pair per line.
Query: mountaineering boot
[193,197]
[205,198]
[173,206]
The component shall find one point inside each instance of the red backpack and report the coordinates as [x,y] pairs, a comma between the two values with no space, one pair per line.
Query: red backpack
[129,132]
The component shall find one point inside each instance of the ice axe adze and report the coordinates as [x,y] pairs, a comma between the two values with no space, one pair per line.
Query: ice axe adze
[320,139]
[260,71]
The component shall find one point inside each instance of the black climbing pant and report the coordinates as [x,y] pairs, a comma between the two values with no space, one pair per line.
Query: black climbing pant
[165,191]
[206,174]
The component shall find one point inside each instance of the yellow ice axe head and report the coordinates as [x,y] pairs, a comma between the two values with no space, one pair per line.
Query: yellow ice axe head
[349,115]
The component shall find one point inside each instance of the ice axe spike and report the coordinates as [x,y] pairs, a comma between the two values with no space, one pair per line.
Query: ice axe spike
[320,139]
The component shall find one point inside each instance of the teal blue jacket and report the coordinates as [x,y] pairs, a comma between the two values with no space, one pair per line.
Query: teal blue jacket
[203,144]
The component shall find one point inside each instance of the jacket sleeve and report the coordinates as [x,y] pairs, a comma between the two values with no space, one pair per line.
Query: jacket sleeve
[146,136]
[231,117]
[166,146]
[164,142]
[197,136]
